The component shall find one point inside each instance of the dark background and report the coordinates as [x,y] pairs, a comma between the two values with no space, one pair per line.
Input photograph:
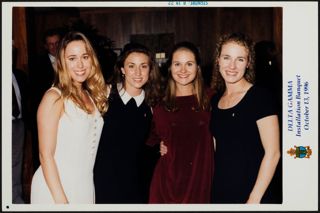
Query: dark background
[158,28]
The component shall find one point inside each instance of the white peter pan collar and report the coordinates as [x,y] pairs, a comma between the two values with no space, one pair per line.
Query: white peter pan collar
[125,97]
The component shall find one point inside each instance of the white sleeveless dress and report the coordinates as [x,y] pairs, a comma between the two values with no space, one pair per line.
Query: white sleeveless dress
[77,142]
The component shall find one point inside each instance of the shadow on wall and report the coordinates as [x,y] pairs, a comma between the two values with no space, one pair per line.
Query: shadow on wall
[269,75]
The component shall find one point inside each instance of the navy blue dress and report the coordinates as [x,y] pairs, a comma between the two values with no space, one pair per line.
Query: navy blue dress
[124,164]
[239,150]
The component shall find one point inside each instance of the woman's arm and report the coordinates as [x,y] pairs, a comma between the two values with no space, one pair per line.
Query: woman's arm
[270,137]
[48,116]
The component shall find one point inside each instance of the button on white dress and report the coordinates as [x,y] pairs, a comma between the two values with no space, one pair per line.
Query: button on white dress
[77,141]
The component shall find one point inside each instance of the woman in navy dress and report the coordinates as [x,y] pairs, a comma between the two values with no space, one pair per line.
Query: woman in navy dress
[245,126]
[124,164]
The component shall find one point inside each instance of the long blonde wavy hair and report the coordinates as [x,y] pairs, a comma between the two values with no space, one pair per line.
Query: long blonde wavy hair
[94,84]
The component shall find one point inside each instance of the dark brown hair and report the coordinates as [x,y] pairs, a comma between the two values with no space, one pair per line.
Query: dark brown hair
[152,86]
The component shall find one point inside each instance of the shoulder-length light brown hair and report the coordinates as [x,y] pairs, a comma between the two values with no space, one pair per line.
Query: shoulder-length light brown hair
[198,83]
[94,84]
[152,86]
[217,83]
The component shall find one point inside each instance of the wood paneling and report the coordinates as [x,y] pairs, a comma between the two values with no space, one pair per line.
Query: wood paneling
[19,36]
[41,19]
[199,25]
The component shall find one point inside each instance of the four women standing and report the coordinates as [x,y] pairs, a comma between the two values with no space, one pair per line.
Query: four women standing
[243,123]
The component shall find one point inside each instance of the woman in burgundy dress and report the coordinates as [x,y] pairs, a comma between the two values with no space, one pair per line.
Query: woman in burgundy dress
[181,121]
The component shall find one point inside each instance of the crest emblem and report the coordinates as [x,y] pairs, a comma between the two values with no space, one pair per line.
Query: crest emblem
[300,151]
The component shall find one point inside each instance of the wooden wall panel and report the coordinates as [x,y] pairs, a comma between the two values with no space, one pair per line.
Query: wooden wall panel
[45,18]
[199,25]
[19,36]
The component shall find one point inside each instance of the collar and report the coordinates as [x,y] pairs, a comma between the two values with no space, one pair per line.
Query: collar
[52,58]
[18,94]
[125,97]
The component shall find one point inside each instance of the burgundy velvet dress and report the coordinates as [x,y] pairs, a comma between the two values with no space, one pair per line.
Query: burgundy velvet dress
[184,174]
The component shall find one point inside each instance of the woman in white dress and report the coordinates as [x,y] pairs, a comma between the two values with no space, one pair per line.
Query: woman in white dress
[69,126]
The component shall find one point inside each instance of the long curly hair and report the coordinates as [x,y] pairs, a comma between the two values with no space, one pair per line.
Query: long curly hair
[198,83]
[217,83]
[94,84]
[152,86]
